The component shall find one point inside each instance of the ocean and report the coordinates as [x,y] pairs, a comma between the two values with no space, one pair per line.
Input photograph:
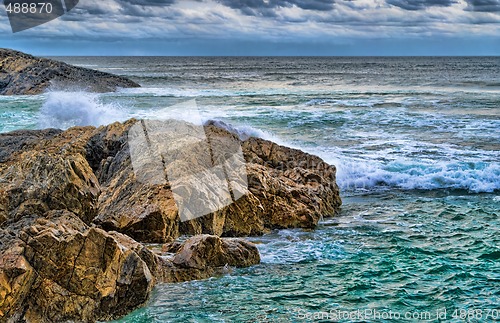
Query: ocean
[416,141]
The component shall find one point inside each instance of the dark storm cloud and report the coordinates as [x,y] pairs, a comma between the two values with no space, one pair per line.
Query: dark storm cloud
[321,5]
[265,8]
[420,4]
[484,5]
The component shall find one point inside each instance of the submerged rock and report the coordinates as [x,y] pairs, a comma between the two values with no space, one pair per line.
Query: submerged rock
[22,74]
[74,219]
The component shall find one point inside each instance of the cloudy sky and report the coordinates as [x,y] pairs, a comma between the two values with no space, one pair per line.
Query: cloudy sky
[265,27]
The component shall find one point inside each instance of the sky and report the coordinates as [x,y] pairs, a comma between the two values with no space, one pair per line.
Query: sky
[265,27]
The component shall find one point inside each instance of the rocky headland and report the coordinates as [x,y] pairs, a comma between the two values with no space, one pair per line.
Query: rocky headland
[23,74]
[81,239]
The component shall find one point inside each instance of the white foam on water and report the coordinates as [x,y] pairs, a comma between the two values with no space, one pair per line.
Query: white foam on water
[369,173]
[372,172]
[186,111]
[366,175]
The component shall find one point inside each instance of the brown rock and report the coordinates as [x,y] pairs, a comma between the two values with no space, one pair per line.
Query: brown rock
[206,255]
[295,188]
[89,172]
[205,251]
[59,269]
[22,140]
[51,174]
[73,215]
[145,212]
[16,280]
[287,189]
[25,74]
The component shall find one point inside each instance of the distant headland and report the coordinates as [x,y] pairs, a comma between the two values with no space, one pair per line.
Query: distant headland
[23,74]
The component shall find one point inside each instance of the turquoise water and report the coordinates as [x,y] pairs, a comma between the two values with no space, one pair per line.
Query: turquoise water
[418,254]
[417,146]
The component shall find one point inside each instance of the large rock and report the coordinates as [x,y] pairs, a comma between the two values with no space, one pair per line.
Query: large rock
[205,251]
[83,273]
[74,216]
[287,188]
[22,140]
[89,172]
[25,74]
[57,268]
[143,211]
[16,276]
[42,171]
[203,256]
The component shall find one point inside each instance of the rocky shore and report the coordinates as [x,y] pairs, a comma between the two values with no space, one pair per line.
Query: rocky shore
[81,239]
[23,74]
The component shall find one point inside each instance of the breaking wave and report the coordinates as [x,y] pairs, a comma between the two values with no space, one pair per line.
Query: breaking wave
[67,109]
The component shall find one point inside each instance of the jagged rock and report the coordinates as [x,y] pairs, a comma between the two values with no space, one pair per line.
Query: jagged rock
[16,278]
[89,172]
[203,256]
[143,211]
[74,217]
[58,269]
[25,74]
[48,172]
[287,189]
[22,140]
[83,273]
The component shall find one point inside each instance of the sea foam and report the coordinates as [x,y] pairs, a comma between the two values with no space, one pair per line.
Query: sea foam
[368,175]
[67,109]
[361,174]
[365,173]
